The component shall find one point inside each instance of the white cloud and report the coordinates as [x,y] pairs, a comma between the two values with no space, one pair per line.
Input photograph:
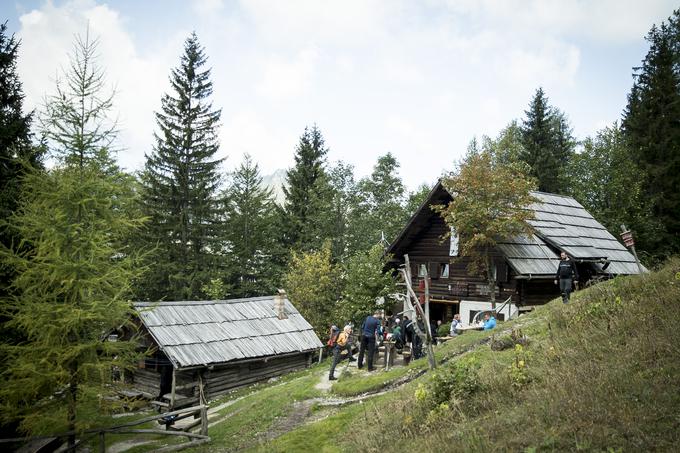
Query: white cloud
[603,20]
[47,36]
[208,7]
[419,79]
[284,78]
[245,132]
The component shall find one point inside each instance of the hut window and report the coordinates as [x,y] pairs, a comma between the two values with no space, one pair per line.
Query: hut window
[422,270]
[444,270]
[453,242]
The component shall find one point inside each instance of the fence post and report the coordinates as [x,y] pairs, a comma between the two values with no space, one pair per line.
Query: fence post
[102,442]
[204,420]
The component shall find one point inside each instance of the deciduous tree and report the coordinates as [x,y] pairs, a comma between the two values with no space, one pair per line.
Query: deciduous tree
[490,202]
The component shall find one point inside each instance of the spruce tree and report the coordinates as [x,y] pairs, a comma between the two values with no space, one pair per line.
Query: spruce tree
[308,194]
[652,130]
[181,181]
[380,213]
[343,203]
[603,180]
[547,143]
[254,254]
[73,277]
[16,150]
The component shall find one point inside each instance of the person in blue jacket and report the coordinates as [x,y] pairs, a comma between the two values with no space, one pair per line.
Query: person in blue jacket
[369,331]
[489,322]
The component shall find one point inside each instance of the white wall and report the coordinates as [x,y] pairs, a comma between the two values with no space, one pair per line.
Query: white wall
[467,306]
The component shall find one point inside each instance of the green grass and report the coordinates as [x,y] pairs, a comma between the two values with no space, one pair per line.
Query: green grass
[599,374]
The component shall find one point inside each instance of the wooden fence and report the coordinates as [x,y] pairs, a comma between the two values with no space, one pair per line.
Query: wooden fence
[200,413]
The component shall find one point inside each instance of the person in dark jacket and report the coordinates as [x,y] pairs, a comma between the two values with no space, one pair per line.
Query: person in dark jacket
[566,275]
[369,331]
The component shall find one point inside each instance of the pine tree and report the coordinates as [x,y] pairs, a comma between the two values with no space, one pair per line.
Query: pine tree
[652,131]
[254,254]
[547,143]
[308,194]
[181,181]
[73,278]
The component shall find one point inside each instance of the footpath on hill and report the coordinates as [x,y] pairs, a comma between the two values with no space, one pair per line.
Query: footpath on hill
[301,412]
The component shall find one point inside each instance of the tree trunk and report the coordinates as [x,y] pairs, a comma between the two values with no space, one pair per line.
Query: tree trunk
[491,279]
[71,407]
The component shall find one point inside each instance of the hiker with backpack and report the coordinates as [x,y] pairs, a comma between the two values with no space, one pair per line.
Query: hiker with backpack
[338,342]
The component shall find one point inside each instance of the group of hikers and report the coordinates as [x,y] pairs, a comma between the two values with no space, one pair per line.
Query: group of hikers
[374,330]
[404,331]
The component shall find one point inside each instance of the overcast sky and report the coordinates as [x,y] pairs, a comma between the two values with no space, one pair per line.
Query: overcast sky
[419,79]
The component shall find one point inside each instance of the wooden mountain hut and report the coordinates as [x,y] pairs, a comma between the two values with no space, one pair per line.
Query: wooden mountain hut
[203,349]
[525,267]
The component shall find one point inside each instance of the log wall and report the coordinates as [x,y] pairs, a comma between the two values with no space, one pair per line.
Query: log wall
[429,249]
[219,380]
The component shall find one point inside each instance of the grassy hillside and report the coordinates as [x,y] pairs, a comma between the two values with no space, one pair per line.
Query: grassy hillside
[599,374]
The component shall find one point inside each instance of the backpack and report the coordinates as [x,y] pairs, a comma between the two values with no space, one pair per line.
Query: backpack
[342,339]
[333,337]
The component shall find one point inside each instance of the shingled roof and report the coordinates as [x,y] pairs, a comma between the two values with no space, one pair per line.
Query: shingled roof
[561,224]
[564,224]
[192,333]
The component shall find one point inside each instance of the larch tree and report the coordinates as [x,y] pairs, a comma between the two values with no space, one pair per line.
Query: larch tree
[652,131]
[547,143]
[252,251]
[180,184]
[73,277]
[490,203]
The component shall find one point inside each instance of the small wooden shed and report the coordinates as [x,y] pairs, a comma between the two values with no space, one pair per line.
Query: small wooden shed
[203,349]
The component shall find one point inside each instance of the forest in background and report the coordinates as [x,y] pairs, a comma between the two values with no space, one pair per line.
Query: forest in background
[81,238]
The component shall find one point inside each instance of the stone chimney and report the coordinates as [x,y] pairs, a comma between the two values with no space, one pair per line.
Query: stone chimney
[280,304]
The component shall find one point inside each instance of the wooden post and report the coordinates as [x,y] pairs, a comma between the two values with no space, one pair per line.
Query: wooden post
[428,326]
[172,392]
[204,420]
[410,293]
[102,442]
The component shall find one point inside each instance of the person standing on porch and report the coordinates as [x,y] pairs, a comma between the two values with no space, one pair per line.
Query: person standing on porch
[369,331]
[566,275]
